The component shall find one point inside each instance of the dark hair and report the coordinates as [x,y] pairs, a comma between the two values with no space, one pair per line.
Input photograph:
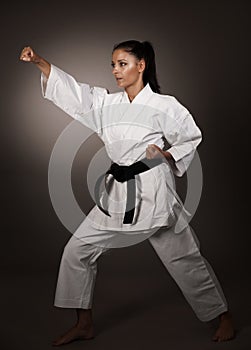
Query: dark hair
[143,50]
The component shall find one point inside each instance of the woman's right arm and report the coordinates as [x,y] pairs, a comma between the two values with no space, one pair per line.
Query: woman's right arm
[29,55]
[74,98]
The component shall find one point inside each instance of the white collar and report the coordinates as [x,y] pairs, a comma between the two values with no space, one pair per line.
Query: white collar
[141,97]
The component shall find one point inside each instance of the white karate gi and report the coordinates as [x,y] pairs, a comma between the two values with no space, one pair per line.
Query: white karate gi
[126,130]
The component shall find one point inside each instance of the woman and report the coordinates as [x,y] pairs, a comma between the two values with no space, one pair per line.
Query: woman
[133,125]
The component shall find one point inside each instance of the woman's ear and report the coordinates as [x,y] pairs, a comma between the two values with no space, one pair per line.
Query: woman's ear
[141,65]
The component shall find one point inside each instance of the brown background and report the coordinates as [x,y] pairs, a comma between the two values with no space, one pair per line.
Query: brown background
[203,60]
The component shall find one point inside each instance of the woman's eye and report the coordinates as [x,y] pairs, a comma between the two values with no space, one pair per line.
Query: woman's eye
[121,64]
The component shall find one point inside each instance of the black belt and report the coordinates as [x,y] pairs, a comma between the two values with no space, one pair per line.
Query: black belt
[123,173]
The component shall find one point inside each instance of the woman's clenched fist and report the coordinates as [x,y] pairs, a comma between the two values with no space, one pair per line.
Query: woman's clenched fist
[29,55]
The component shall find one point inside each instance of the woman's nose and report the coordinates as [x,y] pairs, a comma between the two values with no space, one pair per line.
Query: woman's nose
[115,70]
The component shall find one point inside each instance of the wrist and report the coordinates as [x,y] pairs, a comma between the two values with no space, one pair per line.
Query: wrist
[167,155]
[38,60]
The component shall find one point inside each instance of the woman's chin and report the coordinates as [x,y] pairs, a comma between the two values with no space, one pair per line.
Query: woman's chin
[120,83]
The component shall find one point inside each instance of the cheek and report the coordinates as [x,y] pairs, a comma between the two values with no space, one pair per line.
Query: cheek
[130,72]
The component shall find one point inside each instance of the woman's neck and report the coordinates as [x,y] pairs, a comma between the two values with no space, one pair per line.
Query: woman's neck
[132,91]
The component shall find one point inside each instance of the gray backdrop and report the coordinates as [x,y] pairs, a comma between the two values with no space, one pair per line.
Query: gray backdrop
[202,59]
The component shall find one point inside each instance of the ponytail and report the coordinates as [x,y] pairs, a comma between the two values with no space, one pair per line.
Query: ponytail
[150,74]
[143,50]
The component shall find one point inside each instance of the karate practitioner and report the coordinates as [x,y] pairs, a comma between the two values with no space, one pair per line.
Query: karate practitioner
[140,203]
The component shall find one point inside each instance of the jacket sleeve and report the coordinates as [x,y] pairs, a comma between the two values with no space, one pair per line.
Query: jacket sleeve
[79,100]
[183,136]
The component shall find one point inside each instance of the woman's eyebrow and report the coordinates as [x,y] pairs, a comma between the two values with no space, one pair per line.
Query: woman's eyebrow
[122,59]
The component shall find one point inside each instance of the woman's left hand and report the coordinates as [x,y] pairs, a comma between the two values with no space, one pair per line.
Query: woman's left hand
[153,151]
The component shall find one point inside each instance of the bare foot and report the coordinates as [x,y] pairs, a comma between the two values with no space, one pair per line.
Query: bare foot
[225,330]
[75,333]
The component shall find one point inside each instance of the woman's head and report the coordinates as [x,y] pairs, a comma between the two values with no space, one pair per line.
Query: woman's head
[138,59]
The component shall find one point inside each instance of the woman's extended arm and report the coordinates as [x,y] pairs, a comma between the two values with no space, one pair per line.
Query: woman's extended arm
[29,55]
[74,98]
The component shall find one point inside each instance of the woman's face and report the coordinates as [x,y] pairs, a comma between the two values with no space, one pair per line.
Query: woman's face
[127,69]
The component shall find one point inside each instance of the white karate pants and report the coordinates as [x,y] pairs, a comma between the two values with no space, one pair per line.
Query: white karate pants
[179,253]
